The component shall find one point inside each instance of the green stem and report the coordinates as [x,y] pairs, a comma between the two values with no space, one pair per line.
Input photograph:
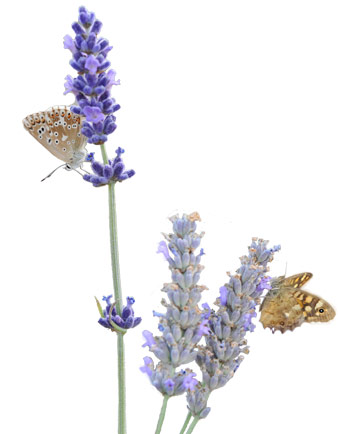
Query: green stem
[104,154]
[192,426]
[114,248]
[162,414]
[121,384]
[118,300]
[187,420]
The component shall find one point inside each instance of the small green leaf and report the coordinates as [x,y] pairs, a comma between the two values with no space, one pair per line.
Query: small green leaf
[98,304]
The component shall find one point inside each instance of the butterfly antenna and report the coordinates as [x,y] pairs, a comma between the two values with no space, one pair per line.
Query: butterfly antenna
[286,266]
[51,173]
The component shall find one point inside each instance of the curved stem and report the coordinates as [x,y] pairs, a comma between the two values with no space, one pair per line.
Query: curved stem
[186,422]
[162,414]
[193,424]
[117,299]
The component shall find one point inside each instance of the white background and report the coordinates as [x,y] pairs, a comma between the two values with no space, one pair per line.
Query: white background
[229,108]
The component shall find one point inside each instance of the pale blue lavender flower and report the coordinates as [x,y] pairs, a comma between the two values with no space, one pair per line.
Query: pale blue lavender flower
[197,401]
[182,324]
[104,174]
[221,356]
[127,318]
[166,380]
[94,82]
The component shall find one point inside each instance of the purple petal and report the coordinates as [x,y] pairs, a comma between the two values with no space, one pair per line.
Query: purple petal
[224,295]
[92,64]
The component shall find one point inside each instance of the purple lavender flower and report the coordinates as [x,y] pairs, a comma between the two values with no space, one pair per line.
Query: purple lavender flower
[223,295]
[93,85]
[147,366]
[190,382]
[264,284]
[127,318]
[150,341]
[225,344]
[182,325]
[93,114]
[104,174]
[204,329]
[166,381]
[92,64]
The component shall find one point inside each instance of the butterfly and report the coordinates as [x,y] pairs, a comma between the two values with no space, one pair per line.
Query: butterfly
[287,306]
[59,131]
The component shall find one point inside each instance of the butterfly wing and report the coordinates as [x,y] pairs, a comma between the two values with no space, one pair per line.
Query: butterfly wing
[297,280]
[314,308]
[286,308]
[59,131]
[281,310]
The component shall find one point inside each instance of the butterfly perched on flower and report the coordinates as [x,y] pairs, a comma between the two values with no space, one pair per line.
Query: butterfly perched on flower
[59,131]
[287,306]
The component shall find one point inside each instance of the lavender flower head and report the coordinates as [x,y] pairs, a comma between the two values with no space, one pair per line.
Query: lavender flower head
[221,355]
[182,325]
[92,86]
[127,318]
[104,174]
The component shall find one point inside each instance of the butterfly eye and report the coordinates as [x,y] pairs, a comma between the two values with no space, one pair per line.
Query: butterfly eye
[321,310]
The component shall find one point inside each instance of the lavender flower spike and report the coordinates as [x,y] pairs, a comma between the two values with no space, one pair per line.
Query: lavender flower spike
[92,87]
[221,355]
[182,325]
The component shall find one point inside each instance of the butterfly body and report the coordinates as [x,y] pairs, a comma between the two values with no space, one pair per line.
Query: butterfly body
[287,306]
[59,131]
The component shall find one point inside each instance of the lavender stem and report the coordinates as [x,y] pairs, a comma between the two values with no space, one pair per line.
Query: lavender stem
[186,422]
[162,414]
[193,424]
[118,299]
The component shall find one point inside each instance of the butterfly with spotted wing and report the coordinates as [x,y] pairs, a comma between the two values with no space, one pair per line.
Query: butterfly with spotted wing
[287,306]
[59,131]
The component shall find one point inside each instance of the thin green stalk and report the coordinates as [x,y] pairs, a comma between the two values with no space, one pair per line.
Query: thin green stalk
[114,248]
[121,384]
[186,422]
[192,425]
[118,300]
[162,414]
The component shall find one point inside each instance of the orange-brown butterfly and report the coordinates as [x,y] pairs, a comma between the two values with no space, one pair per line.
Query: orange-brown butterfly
[59,131]
[287,306]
